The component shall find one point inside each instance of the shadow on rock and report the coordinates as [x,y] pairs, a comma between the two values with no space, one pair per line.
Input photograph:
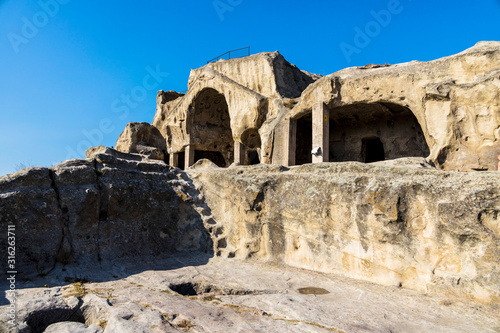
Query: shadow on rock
[102,218]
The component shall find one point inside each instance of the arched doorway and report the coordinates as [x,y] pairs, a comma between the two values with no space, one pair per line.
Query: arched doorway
[369,132]
[209,128]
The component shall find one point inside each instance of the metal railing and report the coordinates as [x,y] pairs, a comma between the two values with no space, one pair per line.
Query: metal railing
[229,54]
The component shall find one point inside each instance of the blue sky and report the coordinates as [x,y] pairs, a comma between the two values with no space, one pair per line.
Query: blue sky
[67,66]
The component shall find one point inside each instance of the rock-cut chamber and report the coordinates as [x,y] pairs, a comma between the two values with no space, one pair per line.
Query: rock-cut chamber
[210,129]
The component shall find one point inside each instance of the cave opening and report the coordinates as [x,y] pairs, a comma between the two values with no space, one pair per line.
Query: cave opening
[369,132]
[372,150]
[303,144]
[181,160]
[253,157]
[209,128]
[214,156]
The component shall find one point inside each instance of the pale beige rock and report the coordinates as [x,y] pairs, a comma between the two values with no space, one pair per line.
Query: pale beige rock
[397,222]
[403,224]
[268,74]
[144,139]
[165,101]
[445,110]
[234,96]
[182,294]
[455,100]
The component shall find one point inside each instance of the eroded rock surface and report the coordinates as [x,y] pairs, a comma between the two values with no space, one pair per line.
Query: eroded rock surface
[455,101]
[445,110]
[144,139]
[101,209]
[182,295]
[210,233]
[422,229]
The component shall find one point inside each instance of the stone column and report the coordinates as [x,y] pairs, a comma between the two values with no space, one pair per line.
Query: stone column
[290,141]
[174,159]
[321,132]
[239,153]
[189,156]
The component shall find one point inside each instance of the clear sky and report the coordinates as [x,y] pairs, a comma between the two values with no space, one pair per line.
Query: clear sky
[74,73]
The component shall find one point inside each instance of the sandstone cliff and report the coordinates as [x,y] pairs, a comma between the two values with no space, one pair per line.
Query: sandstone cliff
[144,230]
[454,99]
[142,138]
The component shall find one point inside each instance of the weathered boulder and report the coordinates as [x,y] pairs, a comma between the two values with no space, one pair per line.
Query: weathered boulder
[100,209]
[406,162]
[203,163]
[93,151]
[38,308]
[144,139]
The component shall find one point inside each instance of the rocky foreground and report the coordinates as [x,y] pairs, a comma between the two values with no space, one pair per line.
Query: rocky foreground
[201,294]
[128,244]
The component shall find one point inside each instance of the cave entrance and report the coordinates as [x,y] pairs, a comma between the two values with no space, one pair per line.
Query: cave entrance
[369,132]
[303,143]
[253,157]
[372,150]
[213,156]
[251,142]
[182,160]
[209,128]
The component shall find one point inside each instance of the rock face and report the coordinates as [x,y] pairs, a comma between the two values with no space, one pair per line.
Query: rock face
[232,99]
[445,110]
[422,229]
[268,74]
[100,209]
[400,223]
[29,202]
[72,327]
[142,138]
